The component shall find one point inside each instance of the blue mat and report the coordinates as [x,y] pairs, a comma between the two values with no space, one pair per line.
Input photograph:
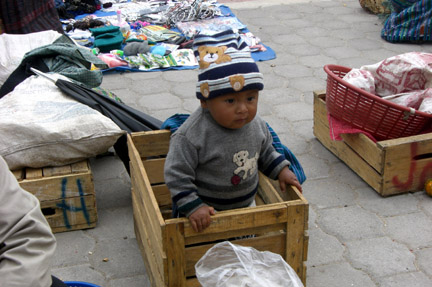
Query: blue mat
[269,54]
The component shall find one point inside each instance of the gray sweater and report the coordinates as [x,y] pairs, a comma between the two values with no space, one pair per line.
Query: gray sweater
[209,164]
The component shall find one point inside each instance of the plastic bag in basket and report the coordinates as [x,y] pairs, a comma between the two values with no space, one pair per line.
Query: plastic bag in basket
[420,100]
[399,74]
[230,265]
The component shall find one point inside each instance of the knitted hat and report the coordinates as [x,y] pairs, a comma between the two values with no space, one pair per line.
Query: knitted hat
[226,65]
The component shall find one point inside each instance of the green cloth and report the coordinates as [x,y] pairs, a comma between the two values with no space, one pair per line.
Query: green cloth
[107,38]
[71,61]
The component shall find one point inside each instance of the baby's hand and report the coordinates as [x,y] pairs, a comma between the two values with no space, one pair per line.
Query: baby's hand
[200,219]
[286,176]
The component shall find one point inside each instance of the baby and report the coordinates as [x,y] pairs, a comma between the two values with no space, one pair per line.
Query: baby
[215,155]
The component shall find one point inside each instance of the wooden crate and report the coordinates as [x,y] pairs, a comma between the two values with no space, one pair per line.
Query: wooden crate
[389,167]
[66,194]
[170,247]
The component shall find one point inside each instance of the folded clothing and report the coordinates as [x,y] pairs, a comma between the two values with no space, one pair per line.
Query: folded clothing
[107,38]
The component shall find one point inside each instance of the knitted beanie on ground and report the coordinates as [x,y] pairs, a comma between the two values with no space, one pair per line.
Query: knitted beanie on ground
[225,65]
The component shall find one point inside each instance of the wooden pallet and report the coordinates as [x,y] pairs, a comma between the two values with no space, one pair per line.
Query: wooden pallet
[66,194]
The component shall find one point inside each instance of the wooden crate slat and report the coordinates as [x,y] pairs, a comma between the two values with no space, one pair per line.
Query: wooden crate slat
[154,143]
[70,213]
[343,151]
[235,233]
[417,169]
[193,282]
[154,169]
[246,218]
[267,191]
[150,218]
[366,149]
[55,187]
[33,173]
[295,238]
[174,243]
[154,257]
[19,174]
[56,170]
[162,194]
[143,182]
[79,167]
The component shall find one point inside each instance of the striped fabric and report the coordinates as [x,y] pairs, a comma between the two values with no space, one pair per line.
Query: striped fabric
[28,16]
[215,77]
[175,121]
[412,24]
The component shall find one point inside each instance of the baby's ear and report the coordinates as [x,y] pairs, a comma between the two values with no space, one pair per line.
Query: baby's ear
[203,104]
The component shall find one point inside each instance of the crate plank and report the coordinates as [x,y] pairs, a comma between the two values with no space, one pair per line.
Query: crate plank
[245,218]
[193,282]
[235,233]
[363,145]
[176,255]
[408,177]
[56,170]
[143,183]
[367,149]
[151,221]
[70,213]
[19,174]
[79,167]
[154,143]
[154,257]
[295,238]
[55,187]
[162,194]
[33,173]
[154,169]
[344,152]
[267,191]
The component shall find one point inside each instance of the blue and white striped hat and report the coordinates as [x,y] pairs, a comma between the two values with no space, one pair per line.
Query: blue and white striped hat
[226,65]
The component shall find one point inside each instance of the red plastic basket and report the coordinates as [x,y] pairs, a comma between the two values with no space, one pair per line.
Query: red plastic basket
[381,118]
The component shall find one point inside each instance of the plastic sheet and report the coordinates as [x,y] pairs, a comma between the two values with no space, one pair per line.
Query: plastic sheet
[231,265]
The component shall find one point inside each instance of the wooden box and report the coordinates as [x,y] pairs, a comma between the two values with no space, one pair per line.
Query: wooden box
[390,166]
[171,248]
[66,194]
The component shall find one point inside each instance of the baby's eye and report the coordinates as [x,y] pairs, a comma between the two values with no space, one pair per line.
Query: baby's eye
[229,101]
[251,99]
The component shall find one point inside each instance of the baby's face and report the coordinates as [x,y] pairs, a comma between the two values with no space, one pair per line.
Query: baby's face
[233,110]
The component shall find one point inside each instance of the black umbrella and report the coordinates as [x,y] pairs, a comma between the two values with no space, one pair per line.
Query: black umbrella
[127,118]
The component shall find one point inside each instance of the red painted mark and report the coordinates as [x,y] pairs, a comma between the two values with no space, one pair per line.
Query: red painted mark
[413,166]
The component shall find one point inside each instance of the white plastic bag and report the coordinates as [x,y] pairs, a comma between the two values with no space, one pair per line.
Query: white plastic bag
[231,265]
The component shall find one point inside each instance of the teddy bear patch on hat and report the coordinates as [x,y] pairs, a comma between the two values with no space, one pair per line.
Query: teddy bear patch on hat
[209,54]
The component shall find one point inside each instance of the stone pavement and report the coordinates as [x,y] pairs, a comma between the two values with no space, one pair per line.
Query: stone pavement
[357,238]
